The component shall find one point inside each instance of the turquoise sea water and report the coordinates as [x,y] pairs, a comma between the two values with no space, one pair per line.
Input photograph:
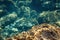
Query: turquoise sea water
[20,15]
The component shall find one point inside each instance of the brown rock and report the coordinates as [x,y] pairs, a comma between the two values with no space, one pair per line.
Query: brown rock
[39,32]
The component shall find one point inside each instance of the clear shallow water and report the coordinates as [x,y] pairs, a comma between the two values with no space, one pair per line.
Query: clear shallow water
[20,15]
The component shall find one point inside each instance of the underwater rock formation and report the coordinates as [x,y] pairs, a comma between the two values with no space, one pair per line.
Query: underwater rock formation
[39,32]
[20,15]
[52,17]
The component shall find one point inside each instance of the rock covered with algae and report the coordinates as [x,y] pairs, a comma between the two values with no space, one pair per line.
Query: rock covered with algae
[20,15]
[39,32]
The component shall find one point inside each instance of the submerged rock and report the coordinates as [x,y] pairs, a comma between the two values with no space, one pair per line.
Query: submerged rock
[39,32]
